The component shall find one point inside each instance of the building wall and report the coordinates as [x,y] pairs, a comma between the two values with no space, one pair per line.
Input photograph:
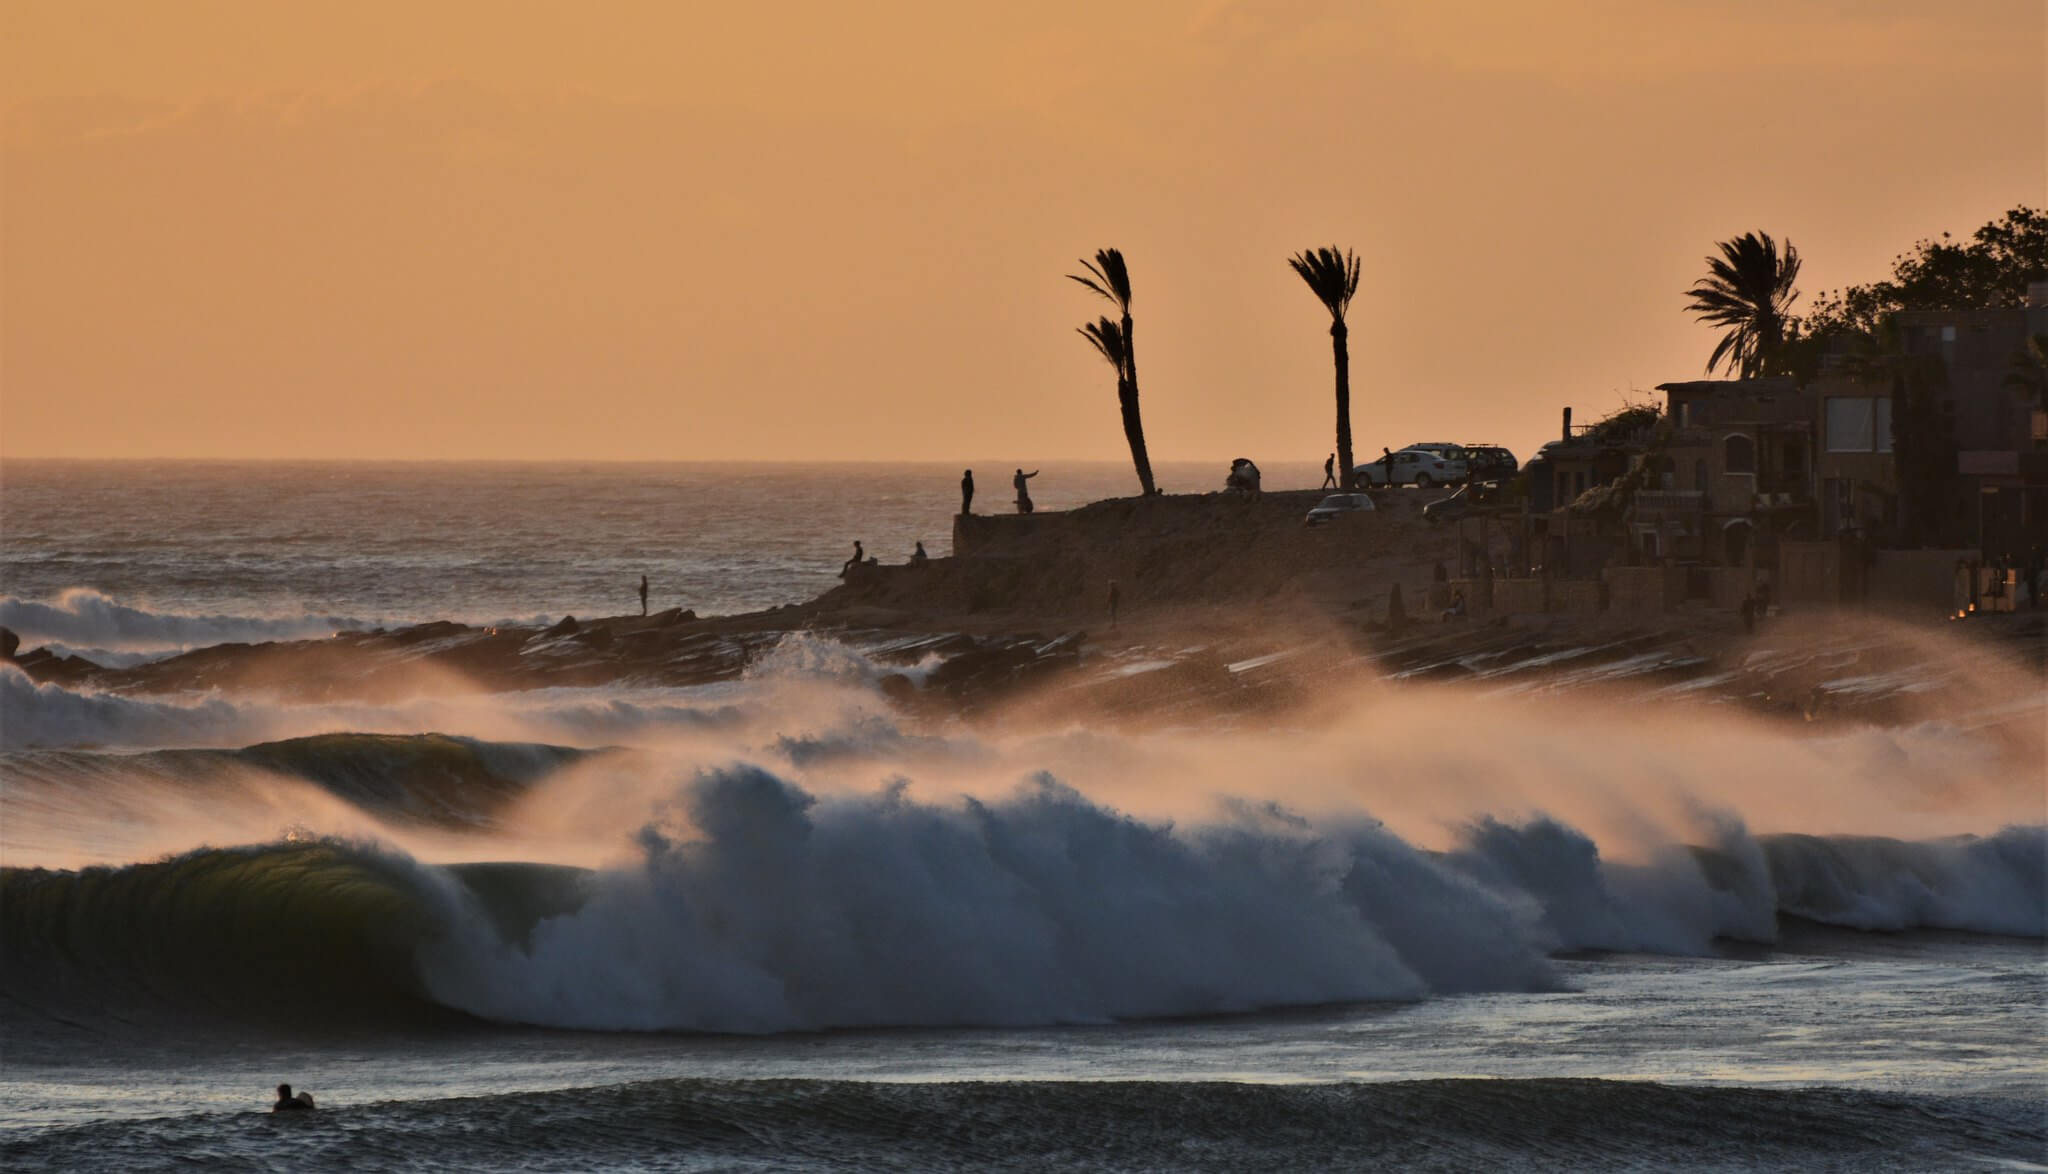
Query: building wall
[1644,590]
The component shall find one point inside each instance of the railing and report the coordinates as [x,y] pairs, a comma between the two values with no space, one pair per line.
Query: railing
[1670,499]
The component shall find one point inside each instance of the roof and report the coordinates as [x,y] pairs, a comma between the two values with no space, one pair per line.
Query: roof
[1768,385]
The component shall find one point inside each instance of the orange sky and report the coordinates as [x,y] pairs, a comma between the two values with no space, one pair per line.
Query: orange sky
[828,230]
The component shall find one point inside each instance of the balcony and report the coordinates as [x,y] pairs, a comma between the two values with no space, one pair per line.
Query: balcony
[1670,501]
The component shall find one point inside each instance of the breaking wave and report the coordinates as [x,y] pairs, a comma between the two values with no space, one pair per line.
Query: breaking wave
[83,618]
[48,716]
[753,905]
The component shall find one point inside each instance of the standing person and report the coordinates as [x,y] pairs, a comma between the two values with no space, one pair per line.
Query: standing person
[1330,471]
[643,595]
[1116,596]
[859,556]
[967,491]
[918,557]
[1023,494]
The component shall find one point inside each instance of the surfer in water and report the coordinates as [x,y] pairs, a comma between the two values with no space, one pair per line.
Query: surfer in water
[286,1102]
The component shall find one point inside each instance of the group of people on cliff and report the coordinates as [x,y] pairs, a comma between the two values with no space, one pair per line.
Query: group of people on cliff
[1017,480]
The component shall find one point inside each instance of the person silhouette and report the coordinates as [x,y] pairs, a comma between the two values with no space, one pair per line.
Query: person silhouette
[1023,494]
[967,491]
[643,595]
[1330,471]
[918,557]
[286,1102]
[859,556]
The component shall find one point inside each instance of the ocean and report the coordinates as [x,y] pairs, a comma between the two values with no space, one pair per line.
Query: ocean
[778,923]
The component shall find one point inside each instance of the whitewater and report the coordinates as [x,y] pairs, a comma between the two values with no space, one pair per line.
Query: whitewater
[779,923]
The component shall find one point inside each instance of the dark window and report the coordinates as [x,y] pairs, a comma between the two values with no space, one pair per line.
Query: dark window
[1739,454]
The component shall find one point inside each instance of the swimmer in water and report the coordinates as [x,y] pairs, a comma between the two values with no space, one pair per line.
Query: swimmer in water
[287,1102]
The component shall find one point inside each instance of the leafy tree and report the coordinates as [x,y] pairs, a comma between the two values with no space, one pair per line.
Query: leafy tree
[1108,276]
[1333,277]
[1748,292]
[1989,271]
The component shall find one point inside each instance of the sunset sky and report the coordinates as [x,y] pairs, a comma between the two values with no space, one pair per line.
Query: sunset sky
[838,231]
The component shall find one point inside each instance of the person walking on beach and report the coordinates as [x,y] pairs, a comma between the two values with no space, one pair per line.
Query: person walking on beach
[967,491]
[859,556]
[643,595]
[1023,494]
[1116,596]
[1330,471]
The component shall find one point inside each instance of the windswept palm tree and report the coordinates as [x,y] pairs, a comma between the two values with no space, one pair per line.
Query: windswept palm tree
[1748,291]
[1333,277]
[1108,276]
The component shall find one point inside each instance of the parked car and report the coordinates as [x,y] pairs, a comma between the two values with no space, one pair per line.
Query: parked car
[1410,466]
[1337,504]
[1468,498]
[1452,455]
[1490,462]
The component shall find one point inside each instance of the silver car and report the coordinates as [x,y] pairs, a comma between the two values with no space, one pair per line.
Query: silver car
[1336,505]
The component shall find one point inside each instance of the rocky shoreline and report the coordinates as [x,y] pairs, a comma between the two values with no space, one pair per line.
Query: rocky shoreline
[1228,605]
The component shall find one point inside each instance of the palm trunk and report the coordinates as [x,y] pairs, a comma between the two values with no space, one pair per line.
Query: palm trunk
[1339,336]
[1127,399]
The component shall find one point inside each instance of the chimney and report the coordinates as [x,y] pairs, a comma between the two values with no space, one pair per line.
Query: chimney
[1567,423]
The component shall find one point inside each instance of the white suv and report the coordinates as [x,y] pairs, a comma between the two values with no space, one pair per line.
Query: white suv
[1410,466]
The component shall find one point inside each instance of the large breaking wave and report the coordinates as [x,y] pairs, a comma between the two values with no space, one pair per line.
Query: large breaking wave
[753,905]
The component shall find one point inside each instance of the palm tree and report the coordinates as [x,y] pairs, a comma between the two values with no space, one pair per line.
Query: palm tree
[1108,276]
[1748,289]
[1333,278]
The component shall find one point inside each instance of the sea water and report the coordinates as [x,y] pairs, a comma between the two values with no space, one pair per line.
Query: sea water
[776,924]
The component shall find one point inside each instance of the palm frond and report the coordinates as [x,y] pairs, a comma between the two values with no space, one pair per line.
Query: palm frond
[1108,276]
[1331,275]
[1748,292]
[1108,340]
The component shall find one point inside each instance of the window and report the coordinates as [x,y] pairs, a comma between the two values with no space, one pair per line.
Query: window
[1859,423]
[1739,454]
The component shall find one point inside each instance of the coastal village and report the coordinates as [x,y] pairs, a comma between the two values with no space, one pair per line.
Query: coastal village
[1898,472]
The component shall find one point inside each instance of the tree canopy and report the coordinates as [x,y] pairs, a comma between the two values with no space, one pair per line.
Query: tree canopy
[1989,270]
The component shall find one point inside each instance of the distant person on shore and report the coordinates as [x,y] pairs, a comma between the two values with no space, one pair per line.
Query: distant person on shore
[1116,598]
[1330,471]
[643,595]
[1023,493]
[859,556]
[967,491]
[918,557]
[287,1103]
[1457,609]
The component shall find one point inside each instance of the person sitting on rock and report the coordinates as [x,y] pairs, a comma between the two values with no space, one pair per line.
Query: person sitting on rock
[1457,609]
[859,556]
[918,557]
